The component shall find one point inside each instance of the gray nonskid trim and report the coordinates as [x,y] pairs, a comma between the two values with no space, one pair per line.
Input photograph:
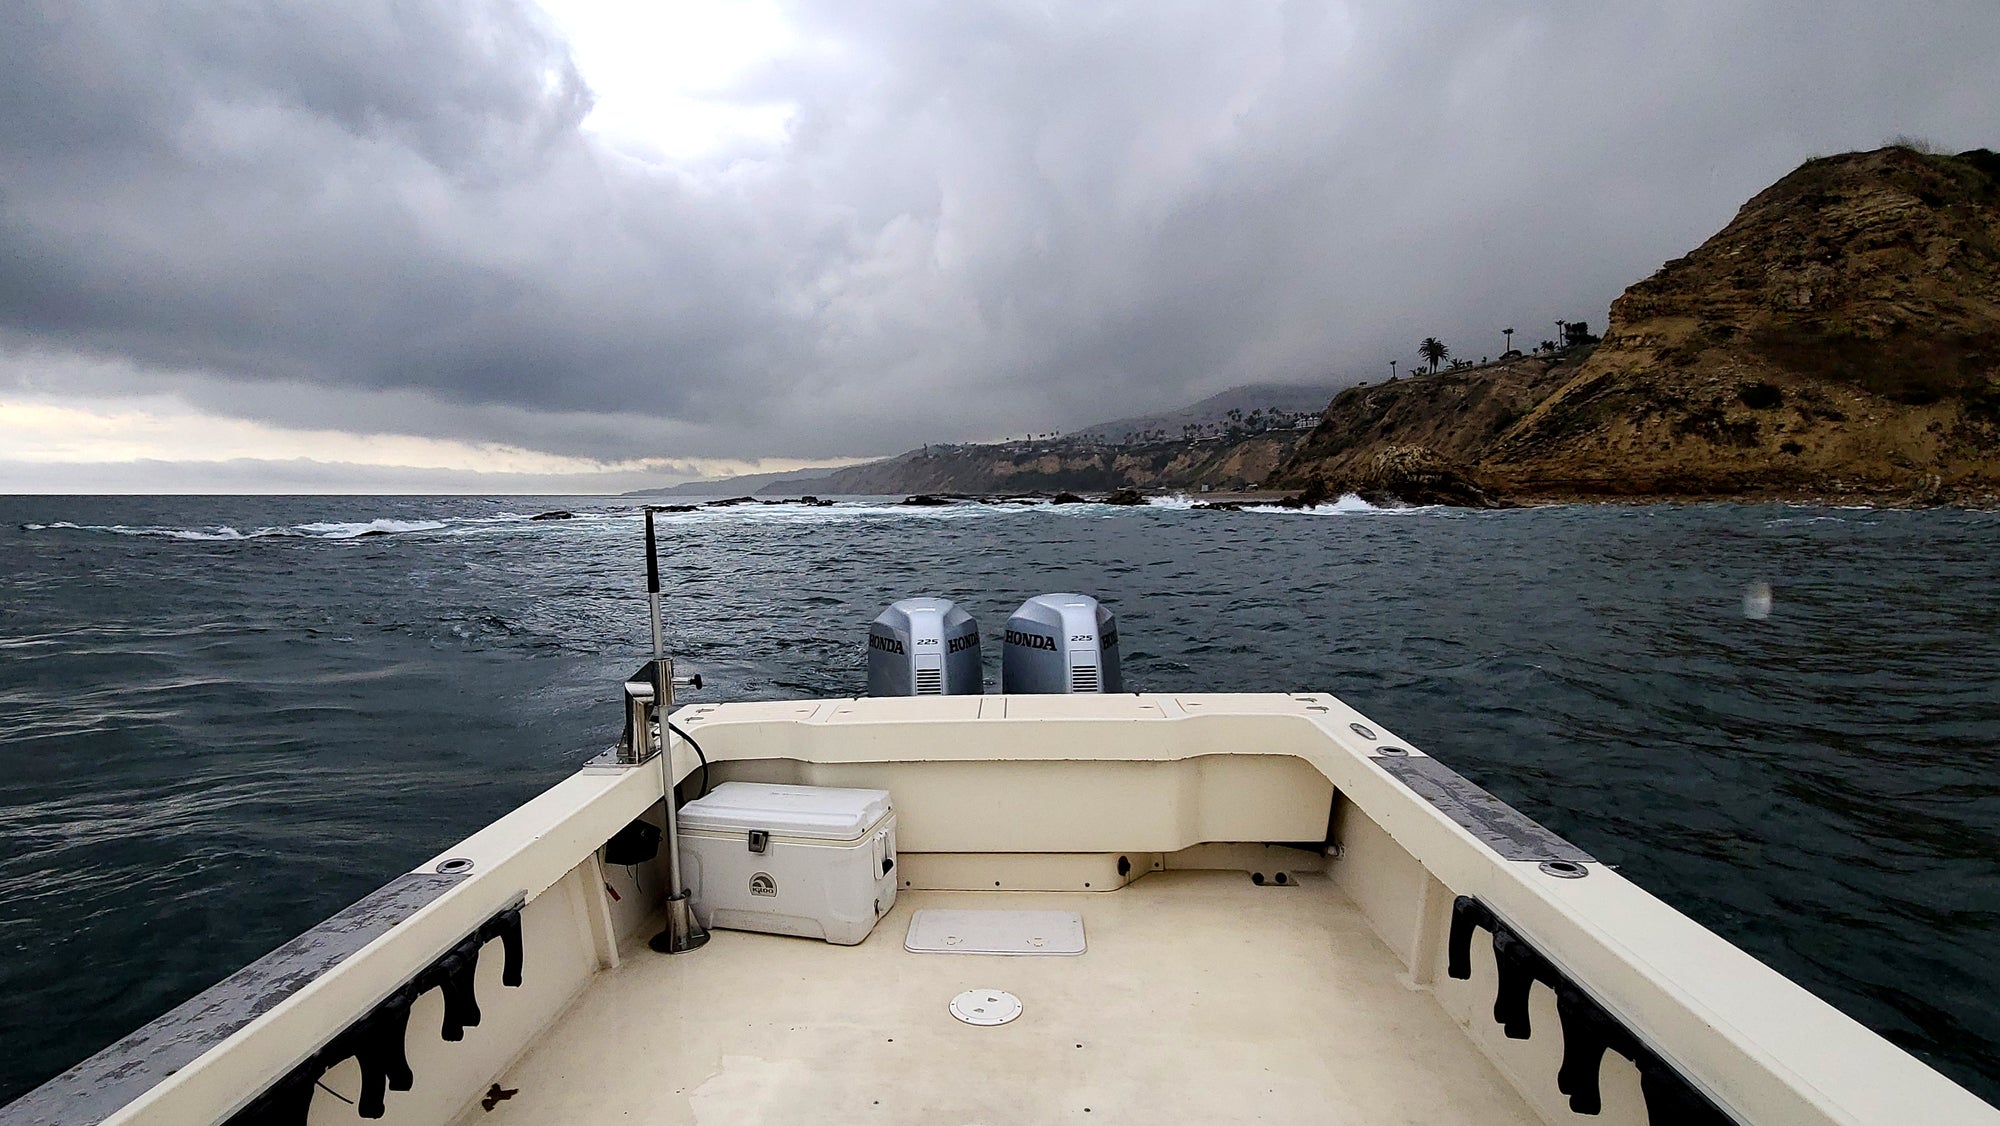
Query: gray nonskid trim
[99,1086]
[1499,826]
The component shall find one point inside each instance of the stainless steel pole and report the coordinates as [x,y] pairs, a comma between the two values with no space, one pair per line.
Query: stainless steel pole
[682,932]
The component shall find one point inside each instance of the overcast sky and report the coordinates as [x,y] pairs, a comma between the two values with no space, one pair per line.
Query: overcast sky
[396,245]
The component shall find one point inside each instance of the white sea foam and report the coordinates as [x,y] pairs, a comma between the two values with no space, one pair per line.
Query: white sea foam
[1347,504]
[216,532]
[349,530]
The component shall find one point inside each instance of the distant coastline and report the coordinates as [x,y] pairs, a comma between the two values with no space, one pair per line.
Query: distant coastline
[1836,343]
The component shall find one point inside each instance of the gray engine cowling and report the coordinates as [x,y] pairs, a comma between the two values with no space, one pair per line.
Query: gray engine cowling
[1060,643]
[924,647]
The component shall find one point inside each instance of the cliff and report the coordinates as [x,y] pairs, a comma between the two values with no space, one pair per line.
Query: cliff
[1839,338]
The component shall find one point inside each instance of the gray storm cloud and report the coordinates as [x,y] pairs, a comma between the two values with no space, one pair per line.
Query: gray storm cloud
[986,218]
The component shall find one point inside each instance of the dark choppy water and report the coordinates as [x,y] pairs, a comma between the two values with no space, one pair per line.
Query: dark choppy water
[210,742]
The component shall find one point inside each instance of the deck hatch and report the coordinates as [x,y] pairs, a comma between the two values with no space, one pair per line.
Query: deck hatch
[1499,826]
[1019,933]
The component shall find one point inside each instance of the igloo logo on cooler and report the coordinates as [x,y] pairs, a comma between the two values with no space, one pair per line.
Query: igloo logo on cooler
[763,884]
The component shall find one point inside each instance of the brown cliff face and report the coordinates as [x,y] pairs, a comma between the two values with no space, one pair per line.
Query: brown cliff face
[1454,416]
[1840,337]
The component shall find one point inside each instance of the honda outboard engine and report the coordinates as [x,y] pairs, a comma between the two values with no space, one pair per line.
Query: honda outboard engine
[924,647]
[1060,643]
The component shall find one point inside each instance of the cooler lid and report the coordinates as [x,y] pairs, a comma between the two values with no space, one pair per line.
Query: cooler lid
[821,812]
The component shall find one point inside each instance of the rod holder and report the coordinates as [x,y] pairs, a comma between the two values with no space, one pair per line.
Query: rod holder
[683,932]
[649,700]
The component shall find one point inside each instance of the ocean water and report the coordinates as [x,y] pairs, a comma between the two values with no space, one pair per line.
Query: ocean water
[221,719]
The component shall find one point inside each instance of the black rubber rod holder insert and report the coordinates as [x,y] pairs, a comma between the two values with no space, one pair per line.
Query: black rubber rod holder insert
[1588,1029]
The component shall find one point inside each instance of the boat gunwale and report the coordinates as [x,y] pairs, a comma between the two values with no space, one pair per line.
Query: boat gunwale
[1756,1043]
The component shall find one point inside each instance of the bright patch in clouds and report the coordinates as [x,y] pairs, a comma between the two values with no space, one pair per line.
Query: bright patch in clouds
[128,444]
[667,75]
[164,431]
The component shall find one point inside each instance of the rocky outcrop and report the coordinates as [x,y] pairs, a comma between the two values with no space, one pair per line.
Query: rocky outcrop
[1420,475]
[1840,338]
[1455,416]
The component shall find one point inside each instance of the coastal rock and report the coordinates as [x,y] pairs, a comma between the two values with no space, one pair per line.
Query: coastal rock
[925,500]
[730,502]
[557,514]
[672,507]
[1127,497]
[1067,498]
[1419,475]
[1845,326]
[1313,495]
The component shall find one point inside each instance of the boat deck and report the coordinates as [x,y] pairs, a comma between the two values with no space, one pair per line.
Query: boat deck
[1202,997]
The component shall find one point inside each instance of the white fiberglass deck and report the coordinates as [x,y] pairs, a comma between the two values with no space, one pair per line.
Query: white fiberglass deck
[1202,997]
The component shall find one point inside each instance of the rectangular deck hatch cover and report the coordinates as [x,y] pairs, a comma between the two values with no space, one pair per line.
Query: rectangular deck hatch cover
[1020,933]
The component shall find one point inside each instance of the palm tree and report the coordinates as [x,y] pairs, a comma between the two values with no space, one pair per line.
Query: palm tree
[1510,338]
[1433,352]
[1560,327]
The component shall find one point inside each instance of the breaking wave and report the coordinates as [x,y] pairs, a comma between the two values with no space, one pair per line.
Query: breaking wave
[321,531]
[1347,504]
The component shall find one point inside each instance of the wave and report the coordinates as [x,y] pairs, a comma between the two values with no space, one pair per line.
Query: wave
[350,530]
[319,531]
[783,512]
[1347,504]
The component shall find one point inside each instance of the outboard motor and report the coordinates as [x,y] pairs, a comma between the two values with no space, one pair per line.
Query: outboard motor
[924,647]
[1061,643]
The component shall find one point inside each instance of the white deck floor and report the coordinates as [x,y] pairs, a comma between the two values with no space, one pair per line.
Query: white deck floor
[1202,998]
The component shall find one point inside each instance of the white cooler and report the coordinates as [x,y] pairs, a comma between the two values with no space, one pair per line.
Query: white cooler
[811,861]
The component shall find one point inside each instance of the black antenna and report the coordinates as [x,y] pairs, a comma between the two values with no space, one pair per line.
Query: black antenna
[653,593]
[652,558]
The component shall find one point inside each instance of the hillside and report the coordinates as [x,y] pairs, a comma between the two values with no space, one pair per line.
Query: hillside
[1058,464]
[733,486]
[1199,444]
[1269,398]
[1839,338]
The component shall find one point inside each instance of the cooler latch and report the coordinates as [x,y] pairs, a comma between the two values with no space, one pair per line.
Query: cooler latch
[760,839]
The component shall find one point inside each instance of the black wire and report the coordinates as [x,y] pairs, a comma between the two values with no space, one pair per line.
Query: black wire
[336,1094]
[675,728]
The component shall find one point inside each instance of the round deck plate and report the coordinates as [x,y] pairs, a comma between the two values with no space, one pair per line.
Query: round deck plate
[986,1006]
